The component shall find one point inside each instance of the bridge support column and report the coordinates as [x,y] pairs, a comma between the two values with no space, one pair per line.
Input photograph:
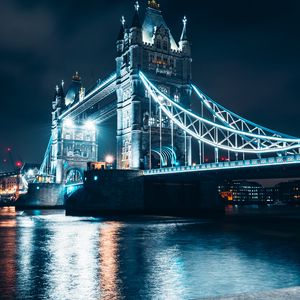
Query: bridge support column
[181,197]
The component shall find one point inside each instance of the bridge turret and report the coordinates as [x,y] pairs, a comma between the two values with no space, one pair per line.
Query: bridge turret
[120,39]
[148,46]
[135,34]
[184,43]
[74,89]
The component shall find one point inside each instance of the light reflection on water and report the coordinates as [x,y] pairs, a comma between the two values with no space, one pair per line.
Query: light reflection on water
[51,256]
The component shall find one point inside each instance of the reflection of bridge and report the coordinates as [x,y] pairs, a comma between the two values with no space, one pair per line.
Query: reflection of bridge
[163,122]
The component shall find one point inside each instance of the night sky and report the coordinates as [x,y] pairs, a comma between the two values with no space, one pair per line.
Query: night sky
[246,55]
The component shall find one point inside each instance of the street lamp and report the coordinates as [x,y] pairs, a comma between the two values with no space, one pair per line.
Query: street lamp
[109,159]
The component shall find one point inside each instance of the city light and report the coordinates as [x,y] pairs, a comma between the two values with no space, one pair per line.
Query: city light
[109,159]
[89,124]
[30,172]
[68,123]
[19,164]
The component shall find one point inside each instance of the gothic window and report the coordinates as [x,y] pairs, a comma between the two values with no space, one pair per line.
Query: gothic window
[69,151]
[165,45]
[163,89]
[79,136]
[176,98]
[77,152]
[158,43]
[127,119]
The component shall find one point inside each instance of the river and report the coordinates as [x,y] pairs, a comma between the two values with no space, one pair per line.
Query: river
[47,255]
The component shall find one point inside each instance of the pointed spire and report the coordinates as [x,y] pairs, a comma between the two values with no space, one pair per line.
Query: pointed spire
[76,77]
[153,4]
[123,21]
[61,92]
[136,18]
[184,34]
[56,92]
[122,29]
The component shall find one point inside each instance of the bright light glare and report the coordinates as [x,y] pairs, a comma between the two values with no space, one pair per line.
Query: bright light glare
[68,123]
[30,172]
[109,159]
[89,124]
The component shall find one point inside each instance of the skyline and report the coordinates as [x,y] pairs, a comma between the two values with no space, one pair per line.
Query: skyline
[233,50]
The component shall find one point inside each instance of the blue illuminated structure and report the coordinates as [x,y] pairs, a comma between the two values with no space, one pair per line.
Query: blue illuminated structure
[150,94]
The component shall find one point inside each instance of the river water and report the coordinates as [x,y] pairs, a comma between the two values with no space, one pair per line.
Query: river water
[46,255]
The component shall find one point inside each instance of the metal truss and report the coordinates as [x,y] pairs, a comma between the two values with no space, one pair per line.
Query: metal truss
[46,164]
[224,129]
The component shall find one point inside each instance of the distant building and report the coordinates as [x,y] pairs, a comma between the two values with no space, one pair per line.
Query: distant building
[10,184]
[30,171]
[287,192]
[242,191]
[14,183]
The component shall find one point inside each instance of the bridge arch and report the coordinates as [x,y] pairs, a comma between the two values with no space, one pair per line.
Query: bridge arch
[164,156]
[74,175]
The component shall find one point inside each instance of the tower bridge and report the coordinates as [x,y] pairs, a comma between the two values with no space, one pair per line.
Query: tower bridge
[150,94]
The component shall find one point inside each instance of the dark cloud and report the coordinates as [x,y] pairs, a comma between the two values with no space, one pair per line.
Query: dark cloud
[246,56]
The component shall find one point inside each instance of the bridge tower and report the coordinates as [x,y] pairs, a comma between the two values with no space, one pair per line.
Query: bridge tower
[73,141]
[149,47]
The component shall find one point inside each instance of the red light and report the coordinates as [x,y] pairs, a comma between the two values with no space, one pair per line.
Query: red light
[18,164]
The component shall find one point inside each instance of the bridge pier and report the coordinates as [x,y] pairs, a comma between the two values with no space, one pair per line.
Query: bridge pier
[115,192]
[42,195]
[182,197]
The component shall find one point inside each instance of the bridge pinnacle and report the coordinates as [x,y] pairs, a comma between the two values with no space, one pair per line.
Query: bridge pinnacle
[136,19]
[184,34]
[153,4]
[76,77]
[137,6]
[123,21]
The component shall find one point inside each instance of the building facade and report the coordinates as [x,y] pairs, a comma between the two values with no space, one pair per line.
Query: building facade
[144,137]
[73,142]
[149,46]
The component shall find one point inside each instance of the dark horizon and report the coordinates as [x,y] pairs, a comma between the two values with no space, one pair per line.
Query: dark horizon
[245,56]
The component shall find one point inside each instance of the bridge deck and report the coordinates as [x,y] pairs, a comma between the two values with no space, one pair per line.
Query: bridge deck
[263,162]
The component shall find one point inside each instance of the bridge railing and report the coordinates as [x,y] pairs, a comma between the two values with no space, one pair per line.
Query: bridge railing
[270,161]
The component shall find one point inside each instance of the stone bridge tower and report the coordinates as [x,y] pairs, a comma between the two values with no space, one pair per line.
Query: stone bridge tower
[73,141]
[150,47]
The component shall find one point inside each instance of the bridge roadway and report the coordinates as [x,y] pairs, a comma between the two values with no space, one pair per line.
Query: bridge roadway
[272,167]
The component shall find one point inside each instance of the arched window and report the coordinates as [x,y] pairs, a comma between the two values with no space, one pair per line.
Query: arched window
[158,44]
